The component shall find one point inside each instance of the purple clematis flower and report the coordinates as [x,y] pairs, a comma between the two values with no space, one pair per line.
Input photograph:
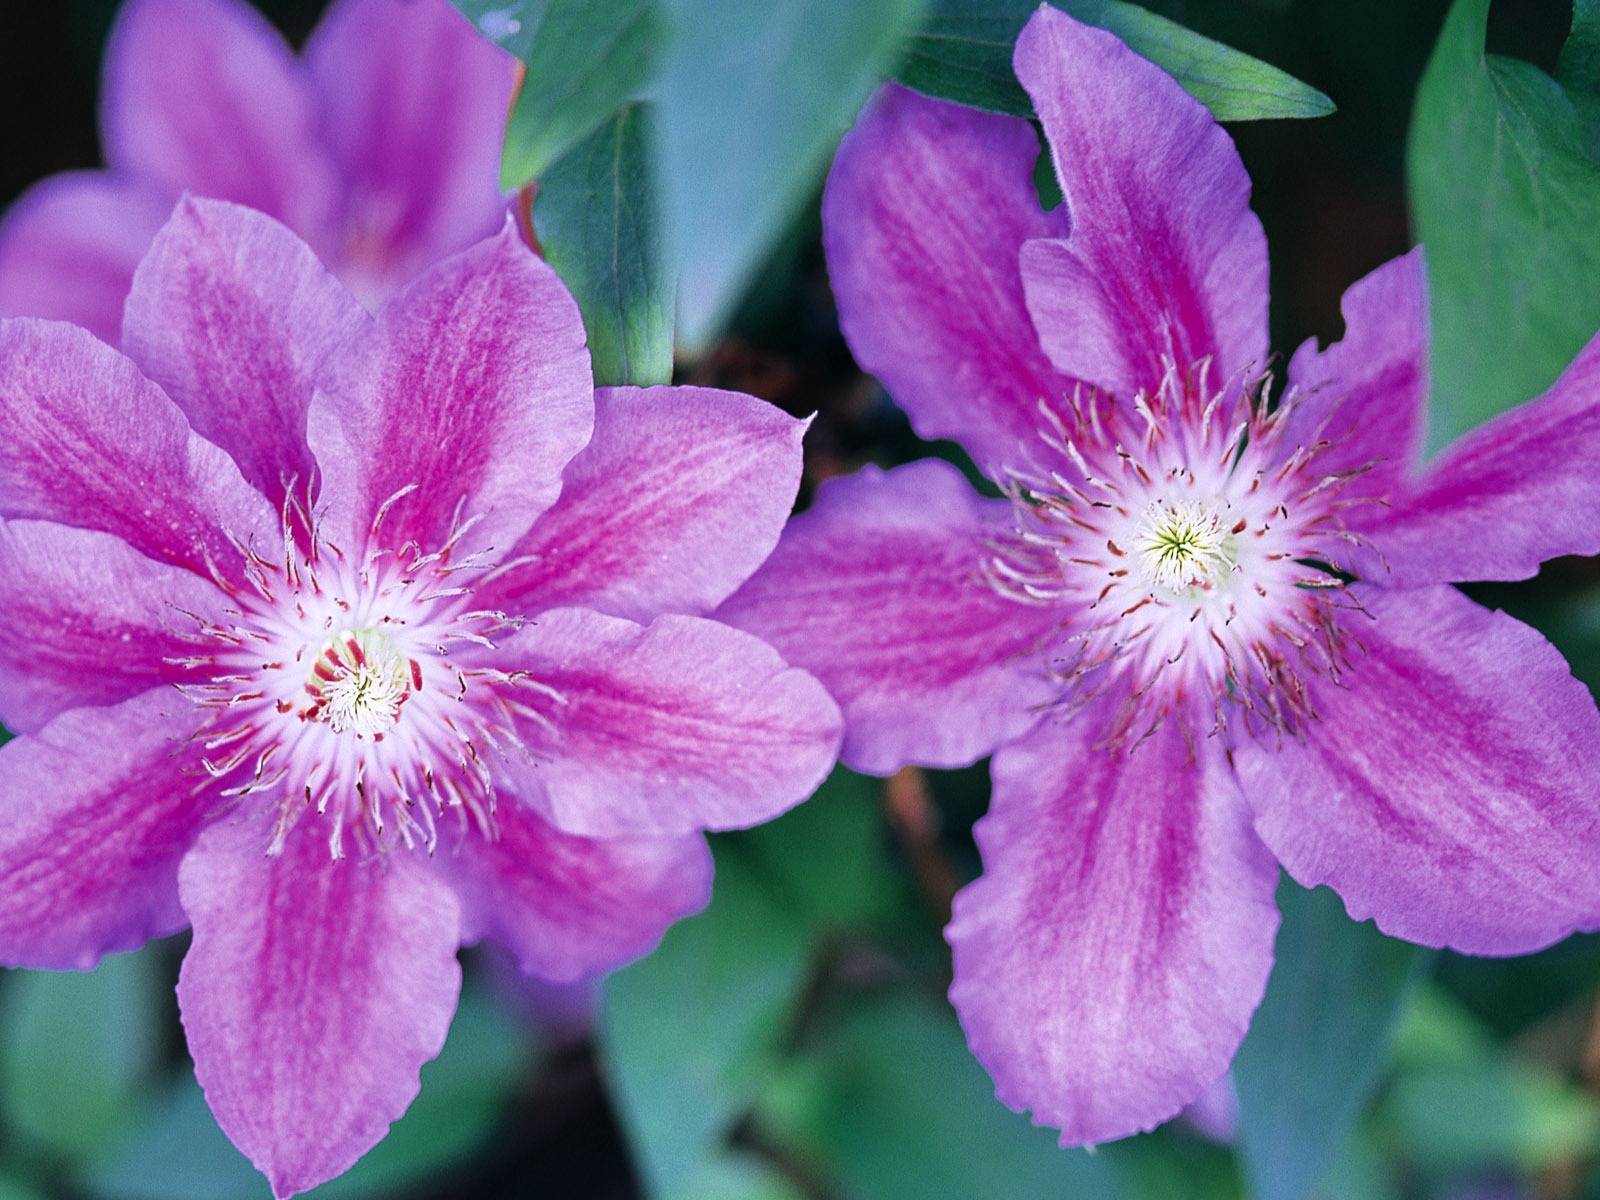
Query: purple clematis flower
[348,640]
[380,146]
[1200,633]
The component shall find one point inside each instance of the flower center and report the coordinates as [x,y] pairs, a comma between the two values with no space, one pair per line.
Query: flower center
[310,681]
[358,683]
[1192,554]
[1185,547]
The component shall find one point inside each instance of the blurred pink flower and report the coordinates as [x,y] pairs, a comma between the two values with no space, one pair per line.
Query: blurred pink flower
[1203,634]
[347,640]
[380,146]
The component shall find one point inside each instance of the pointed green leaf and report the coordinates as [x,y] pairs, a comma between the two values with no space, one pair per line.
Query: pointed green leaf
[597,223]
[1318,1043]
[754,99]
[963,53]
[1507,201]
[583,59]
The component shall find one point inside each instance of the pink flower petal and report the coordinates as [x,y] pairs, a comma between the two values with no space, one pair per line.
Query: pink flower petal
[88,621]
[1367,394]
[1508,495]
[680,494]
[1109,958]
[68,248]
[877,591]
[567,907]
[98,811]
[234,317]
[926,210]
[1449,785]
[204,96]
[665,729]
[473,389]
[413,104]
[312,994]
[87,441]
[1165,262]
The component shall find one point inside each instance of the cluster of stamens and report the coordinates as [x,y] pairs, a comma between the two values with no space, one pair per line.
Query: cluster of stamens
[359,690]
[1198,561]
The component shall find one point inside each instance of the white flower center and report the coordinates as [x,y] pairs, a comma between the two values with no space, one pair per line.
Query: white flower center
[1192,553]
[1185,547]
[358,683]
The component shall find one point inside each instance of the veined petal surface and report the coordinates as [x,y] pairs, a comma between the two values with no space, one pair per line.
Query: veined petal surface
[1508,495]
[312,993]
[568,907]
[89,621]
[87,441]
[1447,786]
[472,390]
[1367,394]
[878,591]
[1108,959]
[668,728]
[235,318]
[1165,262]
[926,210]
[99,807]
[677,498]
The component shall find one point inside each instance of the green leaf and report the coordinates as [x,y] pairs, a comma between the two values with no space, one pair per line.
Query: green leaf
[1507,202]
[175,1152]
[1319,1041]
[689,1034]
[895,1084]
[1579,69]
[963,53]
[736,1177]
[583,59]
[754,99]
[598,225]
[824,857]
[79,1046]
[1459,1101]
[15,1189]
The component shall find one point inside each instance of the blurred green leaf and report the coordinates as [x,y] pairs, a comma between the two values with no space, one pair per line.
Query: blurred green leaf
[1490,1114]
[1458,1100]
[736,1177]
[1579,69]
[963,53]
[824,858]
[175,1152]
[78,1047]
[15,1189]
[754,98]
[1507,202]
[689,1034]
[597,222]
[1360,1171]
[583,59]
[894,1084]
[1319,1041]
